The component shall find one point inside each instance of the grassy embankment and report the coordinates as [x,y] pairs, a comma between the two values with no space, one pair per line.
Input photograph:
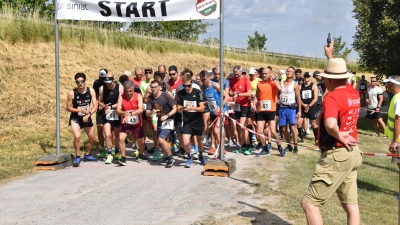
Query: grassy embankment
[27,91]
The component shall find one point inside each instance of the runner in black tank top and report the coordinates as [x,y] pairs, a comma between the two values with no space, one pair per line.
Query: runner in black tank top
[309,109]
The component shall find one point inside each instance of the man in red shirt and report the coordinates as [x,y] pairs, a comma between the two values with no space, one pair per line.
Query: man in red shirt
[138,76]
[240,90]
[336,170]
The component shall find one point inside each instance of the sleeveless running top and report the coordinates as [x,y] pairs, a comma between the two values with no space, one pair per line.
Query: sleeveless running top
[267,96]
[110,96]
[363,85]
[213,98]
[287,97]
[306,93]
[81,101]
[131,105]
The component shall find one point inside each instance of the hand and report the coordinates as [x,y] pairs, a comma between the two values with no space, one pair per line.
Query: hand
[126,114]
[82,110]
[306,109]
[377,109]
[187,109]
[163,118]
[347,140]
[298,115]
[367,100]
[85,118]
[392,147]
[329,51]
[254,107]
[108,108]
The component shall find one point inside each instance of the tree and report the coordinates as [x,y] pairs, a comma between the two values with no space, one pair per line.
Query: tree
[337,41]
[188,30]
[377,35]
[257,43]
[43,7]
[211,41]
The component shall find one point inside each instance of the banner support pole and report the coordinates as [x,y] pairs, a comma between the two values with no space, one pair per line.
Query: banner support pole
[222,77]
[57,79]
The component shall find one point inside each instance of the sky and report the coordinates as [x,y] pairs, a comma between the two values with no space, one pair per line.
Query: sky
[292,27]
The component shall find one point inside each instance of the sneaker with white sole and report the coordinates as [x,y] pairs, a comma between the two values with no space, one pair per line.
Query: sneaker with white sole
[109,159]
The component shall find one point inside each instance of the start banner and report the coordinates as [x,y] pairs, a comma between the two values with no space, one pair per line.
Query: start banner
[139,10]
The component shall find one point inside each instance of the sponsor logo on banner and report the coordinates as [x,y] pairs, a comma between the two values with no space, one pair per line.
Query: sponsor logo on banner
[78,7]
[206,7]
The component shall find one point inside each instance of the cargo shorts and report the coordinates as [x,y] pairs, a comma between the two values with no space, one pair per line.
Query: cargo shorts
[336,171]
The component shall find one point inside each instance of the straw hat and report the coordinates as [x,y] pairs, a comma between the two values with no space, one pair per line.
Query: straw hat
[336,69]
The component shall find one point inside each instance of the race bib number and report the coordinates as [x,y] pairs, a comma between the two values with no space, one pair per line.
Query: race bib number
[112,115]
[266,105]
[212,105]
[189,103]
[362,86]
[287,100]
[86,107]
[231,108]
[237,107]
[167,124]
[306,94]
[133,120]
[173,93]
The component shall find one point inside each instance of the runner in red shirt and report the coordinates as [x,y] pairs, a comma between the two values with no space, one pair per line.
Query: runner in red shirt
[240,89]
[174,79]
[138,76]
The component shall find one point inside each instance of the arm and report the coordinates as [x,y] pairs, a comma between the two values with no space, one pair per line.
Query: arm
[278,85]
[119,107]
[342,136]
[329,51]
[148,92]
[101,102]
[69,105]
[94,102]
[297,93]
[255,99]
[315,90]
[380,97]
[226,95]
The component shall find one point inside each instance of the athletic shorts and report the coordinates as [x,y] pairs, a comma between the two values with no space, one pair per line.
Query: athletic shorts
[144,117]
[255,116]
[137,131]
[213,117]
[206,108]
[362,92]
[336,171]
[113,123]
[244,112]
[287,115]
[278,106]
[266,116]
[164,133]
[99,117]
[79,120]
[311,114]
[372,115]
[188,129]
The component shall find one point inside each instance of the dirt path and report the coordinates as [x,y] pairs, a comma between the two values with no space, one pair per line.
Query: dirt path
[140,193]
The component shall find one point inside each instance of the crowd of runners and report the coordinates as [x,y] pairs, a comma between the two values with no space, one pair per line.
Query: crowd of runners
[182,112]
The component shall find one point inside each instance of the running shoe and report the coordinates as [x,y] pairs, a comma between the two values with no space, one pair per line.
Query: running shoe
[135,153]
[89,158]
[118,156]
[134,146]
[212,150]
[264,152]
[288,148]
[258,146]
[142,157]
[112,151]
[151,151]
[156,156]
[230,144]
[269,147]
[102,153]
[170,162]
[242,149]
[182,153]
[202,160]
[196,156]
[301,140]
[122,161]
[174,148]
[76,162]
[249,150]
[109,159]
[282,151]
[295,150]
[188,163]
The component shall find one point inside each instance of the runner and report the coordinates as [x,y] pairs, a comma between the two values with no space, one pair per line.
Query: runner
[143,87]
[309,98]
[190,102]
[363,86]
[108,99]
[252,123]
[288,97]
[163,106]
[240,89]
[78,103]
[375,100]
[130,108]
[100,112]
[138,76]
[211,91]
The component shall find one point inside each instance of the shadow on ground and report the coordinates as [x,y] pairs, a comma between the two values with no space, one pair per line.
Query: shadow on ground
[261,215]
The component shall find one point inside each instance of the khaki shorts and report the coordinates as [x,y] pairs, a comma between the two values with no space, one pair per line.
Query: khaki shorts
[336,171]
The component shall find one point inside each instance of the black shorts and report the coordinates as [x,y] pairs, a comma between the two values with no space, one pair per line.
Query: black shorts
[311,114]
[194,131]
[213,117]
[255,116]
[244,112]
[178,118]
[278,106]
[99,117]
[113,123]
[79,120]
[266,116]
[144,117]
[206,108]
[373,115]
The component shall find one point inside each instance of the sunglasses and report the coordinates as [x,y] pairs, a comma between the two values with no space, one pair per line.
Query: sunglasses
[307,76]
[149,72]
[172,74]
[80,82]
[373,80]
[152,87]
[187,85]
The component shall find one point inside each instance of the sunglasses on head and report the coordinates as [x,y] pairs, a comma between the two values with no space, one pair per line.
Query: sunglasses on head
[80,82]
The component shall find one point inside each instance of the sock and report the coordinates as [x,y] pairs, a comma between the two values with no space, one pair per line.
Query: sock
[209,135]
[213,145]
[188,155]
[173,137]
[116,150]
[196,148]
[200,153]
[315,131]
[300,130]
[78,156]
[170,157]
[295,145]
[109,151]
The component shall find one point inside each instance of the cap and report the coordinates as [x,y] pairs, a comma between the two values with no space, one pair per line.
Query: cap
[316,73]
[174,68]
[148,68]
[252,70]
[390,79]
[307,74]
[103,72]
[282,71]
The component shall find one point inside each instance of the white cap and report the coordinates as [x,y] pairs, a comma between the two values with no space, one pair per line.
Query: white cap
[252,70]
[390,79]
[282,71]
